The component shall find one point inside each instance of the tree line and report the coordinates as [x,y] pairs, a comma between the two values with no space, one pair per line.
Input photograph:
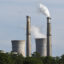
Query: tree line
[6,58]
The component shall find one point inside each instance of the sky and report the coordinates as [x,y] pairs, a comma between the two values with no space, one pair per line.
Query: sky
[13,22]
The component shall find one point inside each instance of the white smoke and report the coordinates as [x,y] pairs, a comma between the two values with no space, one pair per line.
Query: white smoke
[36,32]
[44,10]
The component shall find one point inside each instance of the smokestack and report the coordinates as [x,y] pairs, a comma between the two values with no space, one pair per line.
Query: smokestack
[49,46]
[28,37]
[41,46]
[45,11]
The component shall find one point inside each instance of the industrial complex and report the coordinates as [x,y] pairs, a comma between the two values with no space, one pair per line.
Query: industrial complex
[43,45]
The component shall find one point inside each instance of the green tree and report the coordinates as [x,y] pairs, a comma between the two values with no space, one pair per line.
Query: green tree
[35,54]
[5,59]
[32,60]
[61,60]
[17,59]
[43,60]
[49,60]
[57,59]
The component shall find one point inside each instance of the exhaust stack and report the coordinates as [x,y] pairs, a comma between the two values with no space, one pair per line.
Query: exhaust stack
[28,37]
[49,46]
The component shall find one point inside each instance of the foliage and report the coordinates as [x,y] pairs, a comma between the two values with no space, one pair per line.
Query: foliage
[35,54]
[10,58]
[32,60]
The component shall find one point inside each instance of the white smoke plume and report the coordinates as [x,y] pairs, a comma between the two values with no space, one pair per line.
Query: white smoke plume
[36,32]
[44,10]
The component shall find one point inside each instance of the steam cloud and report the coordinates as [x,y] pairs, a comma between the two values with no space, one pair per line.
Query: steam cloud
[44,10]
[36,32]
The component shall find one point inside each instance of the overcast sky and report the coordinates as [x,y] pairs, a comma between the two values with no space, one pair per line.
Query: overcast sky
[13,22]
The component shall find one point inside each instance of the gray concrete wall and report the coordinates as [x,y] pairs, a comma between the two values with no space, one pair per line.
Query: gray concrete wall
[18,46]
[41,46]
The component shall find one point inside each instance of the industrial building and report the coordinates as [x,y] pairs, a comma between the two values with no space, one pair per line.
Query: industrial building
[18,46]
[41,45]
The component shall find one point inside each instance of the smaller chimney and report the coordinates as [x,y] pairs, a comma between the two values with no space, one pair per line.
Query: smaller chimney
[28,37]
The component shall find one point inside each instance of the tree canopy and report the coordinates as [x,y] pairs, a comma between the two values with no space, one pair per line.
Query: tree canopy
[35,59]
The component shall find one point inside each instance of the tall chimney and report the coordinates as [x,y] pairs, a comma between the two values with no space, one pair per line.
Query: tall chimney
[28,37]
[49,46]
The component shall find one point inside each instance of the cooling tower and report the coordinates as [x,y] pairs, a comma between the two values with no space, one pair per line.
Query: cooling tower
[28,37]
[18,46]
[49,44]
[41,46]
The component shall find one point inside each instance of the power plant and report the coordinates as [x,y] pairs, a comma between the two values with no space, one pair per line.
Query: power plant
[49,44]
[18,46]
[28,37]
[41,46]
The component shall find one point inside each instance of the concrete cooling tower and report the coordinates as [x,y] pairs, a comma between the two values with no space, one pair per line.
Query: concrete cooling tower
[41,46]
[18,46]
